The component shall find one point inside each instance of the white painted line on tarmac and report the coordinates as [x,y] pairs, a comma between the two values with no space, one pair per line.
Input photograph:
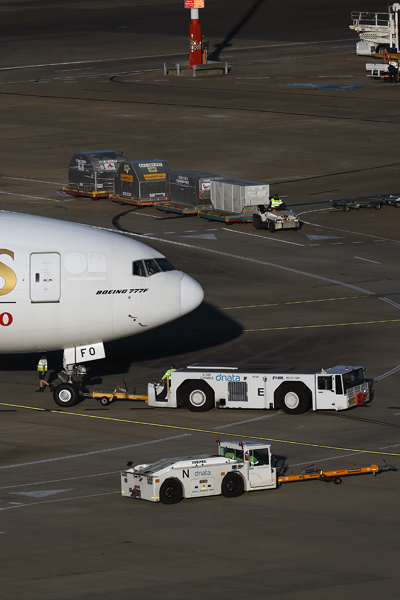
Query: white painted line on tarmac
[140,214]
[99,60]
[15,505]
[245,258]
[34,180]
[249,420]
[325,459]
[393,446]
[381,239]
[33,197]
[267,238]
[390,302]
[367,260]
[47,460]
[387,374]
[7,487]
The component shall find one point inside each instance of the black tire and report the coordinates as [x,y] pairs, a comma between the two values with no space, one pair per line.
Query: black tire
[378,206]
[271,226]
[104,401]
[337,480]
[380,48]
[198,396]
[66,394]
[257,222]
[346,208]
[293,398]
[232,485]
[171,491]
[397,204]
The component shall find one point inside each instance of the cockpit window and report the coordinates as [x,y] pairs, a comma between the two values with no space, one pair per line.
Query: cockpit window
[138,268]
[150,266]
[165,265]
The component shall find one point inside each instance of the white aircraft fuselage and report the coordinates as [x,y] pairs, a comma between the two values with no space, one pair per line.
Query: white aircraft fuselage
[64,285]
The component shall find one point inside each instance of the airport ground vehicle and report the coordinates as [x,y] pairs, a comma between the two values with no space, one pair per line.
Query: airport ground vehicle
[274,219]
[293,389]
[377,31]
[238,467]
[375,202]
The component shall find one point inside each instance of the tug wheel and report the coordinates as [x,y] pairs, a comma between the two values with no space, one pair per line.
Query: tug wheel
[171,492]
[257,222]
[337,480]
[293,398]
[104,401]
[232,485]
[198,396]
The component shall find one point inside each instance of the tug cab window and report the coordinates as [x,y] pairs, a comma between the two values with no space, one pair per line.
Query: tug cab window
[325,383]
[150,266]
[233,453]
[260,456]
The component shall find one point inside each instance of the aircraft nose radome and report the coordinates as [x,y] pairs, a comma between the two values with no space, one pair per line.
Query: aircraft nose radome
[192,294]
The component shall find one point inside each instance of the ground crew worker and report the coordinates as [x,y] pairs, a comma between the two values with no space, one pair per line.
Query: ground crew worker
[42,370]
[166,378]
[393,69]
[276,202]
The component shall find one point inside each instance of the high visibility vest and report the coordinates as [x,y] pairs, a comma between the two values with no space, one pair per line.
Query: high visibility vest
[42,363]
[275,202]
[168,374]
[393,63]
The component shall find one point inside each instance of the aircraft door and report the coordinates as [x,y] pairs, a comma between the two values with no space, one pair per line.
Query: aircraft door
[45,280]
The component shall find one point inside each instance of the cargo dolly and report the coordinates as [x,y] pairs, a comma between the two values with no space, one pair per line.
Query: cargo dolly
[246,216]
[174,207]
[86,193]
[132,201]
[375,202]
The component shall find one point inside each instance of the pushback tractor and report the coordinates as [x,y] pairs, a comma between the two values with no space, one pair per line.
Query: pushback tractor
[295,390]
[238,467]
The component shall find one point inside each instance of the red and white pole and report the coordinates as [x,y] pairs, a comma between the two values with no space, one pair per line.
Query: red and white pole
[195,39]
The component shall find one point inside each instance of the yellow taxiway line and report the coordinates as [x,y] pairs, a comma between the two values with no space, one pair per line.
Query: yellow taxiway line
[320,326]
[195,430]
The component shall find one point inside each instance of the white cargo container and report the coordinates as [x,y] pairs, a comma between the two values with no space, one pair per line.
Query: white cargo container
[233,195]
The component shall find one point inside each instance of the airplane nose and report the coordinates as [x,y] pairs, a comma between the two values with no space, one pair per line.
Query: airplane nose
[192,294]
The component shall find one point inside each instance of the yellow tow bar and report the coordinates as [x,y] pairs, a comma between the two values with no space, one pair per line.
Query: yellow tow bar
[335,476]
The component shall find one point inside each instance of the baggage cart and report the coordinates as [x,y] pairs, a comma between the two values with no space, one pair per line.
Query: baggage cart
[141,182]
[91,174]
[188,191]
[375,202]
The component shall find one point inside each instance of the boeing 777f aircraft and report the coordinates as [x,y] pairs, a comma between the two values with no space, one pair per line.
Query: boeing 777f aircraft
[73,287]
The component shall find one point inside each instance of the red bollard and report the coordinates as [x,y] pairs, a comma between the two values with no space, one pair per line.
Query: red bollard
[195,42]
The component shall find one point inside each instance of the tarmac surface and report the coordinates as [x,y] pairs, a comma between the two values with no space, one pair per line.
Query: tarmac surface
[295,111]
